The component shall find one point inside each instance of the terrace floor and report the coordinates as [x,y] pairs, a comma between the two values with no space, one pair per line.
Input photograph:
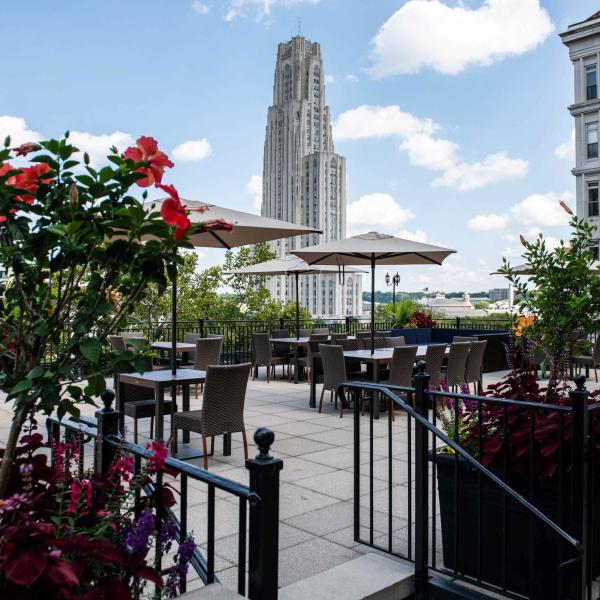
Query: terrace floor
[316,507]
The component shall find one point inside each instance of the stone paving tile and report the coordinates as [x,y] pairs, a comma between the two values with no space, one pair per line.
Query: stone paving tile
[338,484]
[302,428]
[295,500]
[339,437]
[298,445]
[296,468]
[325,520]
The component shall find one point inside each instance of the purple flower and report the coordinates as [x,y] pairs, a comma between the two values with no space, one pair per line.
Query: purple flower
[178,573]
[166,536]
[135,537]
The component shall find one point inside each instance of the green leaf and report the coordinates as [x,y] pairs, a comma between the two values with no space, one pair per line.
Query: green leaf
[96,385]
[22,386]
[91,349]
[59,230]
[35,372]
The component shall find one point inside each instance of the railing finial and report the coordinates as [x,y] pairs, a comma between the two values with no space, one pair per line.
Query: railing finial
[580,382]
[421,366]
[107,397]
[264,439]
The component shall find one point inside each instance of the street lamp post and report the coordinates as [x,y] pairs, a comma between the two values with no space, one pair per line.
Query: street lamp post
[395,281]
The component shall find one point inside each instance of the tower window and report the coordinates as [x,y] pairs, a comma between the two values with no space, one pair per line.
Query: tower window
[591,82]
[593,199]
[591,130]
[595,250]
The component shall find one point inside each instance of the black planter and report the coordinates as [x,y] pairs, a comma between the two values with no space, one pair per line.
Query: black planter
[531,547]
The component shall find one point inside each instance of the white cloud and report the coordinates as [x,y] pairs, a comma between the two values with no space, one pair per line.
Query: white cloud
[492,169]
[449,39]
[567,150]
[200,7]
[434,153]
[488,222]
[192,150]
[259,9]
[377,209]
[542,210]
[379,121]
[424,149]
[416,236]
[254,187]
[97,146]
[16,128]
[351,77]
[329,79]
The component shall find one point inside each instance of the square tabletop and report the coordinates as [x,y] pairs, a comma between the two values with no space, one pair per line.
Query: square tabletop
[382,354]
[300,340]
[179,347]
[150,378]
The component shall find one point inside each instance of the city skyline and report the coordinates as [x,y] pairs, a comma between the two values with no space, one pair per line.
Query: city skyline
[452,145]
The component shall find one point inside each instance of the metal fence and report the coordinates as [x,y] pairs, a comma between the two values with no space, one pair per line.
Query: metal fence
[523,525]
[258,516]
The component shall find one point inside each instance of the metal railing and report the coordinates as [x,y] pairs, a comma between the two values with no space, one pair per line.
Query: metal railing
[505,529]
[258,512]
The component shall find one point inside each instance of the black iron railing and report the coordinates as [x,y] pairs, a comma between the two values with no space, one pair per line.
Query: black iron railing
[258,515]
[508,528]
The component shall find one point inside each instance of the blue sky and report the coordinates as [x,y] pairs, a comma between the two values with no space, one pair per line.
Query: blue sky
[450,113]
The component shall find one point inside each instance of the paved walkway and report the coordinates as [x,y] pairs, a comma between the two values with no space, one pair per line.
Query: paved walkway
[316,508]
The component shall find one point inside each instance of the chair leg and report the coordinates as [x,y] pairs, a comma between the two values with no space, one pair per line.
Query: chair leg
[253,370]
[205,453]
[197,386]
[245,439]
[135,431]
[341,405]
[268,373]
[152,428]
[321,399]
[173,441]
[212,445]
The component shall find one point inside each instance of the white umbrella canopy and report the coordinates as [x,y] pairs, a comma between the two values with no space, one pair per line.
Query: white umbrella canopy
[248,228]
[372,248]
[290,265]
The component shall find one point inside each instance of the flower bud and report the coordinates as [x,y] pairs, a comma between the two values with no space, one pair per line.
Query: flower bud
[566,208]
[74,195]
[522,239]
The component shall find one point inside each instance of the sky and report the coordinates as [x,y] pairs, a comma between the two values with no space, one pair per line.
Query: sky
[452,115]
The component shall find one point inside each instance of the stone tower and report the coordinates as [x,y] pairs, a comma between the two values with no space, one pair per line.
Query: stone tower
[304,180]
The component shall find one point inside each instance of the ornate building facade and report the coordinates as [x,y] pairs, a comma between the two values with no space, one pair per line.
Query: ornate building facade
[304,180]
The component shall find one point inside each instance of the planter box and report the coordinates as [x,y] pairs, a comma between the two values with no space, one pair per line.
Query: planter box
[484,558]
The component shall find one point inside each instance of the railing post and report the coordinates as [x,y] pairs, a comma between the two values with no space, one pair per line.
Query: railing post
[457,322]
[580,468]
[263,542]
[347,324]
[107,419]
[421,385]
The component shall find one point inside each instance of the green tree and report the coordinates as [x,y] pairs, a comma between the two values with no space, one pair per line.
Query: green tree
[562,296]
[482,304]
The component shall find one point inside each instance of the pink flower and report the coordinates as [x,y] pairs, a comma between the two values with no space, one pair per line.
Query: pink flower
[25,149]
[159,454]
[81,497]
[174,212]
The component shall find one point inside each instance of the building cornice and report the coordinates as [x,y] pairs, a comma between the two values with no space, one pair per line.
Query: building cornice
[584,108]
[586,170]
[579,31]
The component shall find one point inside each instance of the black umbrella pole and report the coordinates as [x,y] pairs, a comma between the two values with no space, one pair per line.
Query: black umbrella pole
[373,306]
[297,275]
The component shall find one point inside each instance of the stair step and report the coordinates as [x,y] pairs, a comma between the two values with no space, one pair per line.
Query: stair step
[369,577]
[214,591]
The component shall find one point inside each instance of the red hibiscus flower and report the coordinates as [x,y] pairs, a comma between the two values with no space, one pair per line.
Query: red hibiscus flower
[174,212]
[25,149]
[217,225]
[29,179]
[147,151]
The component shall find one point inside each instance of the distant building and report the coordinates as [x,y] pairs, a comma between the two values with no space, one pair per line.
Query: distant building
[498,294]
[304,180]
[450,307]
[583,41]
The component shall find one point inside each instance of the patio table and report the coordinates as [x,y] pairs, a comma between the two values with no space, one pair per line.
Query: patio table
[159,381]
[296,343]
[381,356]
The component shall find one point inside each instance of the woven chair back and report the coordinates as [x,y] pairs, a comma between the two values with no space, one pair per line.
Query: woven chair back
[208,353]
[403,362]
[434,359]
[457,362]
[475,361]
[334,366]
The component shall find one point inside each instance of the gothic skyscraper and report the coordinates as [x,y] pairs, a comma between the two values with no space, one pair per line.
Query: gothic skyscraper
[304,180]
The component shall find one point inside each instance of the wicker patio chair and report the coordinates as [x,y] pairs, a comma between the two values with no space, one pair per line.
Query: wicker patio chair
[383,334]
[457,364]
[473,371]
[222,408]
[334,373]
[589,360]
[304,332]
[321,330]
[263,356]
[464,338]
[362,335]
[338,336]
[207,353]
[394,342]
[434,359]
[401,368]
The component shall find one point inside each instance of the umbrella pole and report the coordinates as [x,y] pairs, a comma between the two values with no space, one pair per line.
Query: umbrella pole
[297,275]
[174,321]
[373,306]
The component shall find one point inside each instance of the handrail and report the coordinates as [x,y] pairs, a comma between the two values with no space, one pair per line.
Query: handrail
[386,391]
[226,485]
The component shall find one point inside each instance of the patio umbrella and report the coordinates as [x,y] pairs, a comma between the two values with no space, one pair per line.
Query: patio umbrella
[372,248]
[290,265]
[247,229]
